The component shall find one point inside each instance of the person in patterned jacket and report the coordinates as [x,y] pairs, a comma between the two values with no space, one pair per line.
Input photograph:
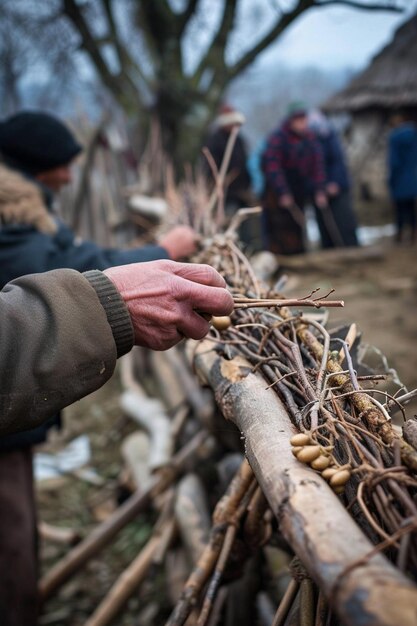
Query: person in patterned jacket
[293,168]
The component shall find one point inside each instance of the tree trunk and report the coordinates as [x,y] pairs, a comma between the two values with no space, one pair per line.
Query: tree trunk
[184,116]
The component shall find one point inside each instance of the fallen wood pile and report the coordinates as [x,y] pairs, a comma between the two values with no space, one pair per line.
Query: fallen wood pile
[291,499]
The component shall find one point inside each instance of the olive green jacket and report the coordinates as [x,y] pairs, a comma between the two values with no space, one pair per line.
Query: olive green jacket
[60,335]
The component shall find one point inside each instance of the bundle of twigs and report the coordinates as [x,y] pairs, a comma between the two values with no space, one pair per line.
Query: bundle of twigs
[346,426]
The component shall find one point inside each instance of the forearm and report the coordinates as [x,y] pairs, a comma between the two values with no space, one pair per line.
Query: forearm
[57,344]
[61,332]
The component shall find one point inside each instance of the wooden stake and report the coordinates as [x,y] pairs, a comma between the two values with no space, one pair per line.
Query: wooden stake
[126,585]
[104,533]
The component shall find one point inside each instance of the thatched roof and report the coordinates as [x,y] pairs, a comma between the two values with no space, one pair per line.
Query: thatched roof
[390,81]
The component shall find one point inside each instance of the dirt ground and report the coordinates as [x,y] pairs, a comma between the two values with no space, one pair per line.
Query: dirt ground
[380,296]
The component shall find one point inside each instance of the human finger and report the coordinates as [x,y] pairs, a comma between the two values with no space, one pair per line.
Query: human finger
[213,300]
[200,273]
[194,326]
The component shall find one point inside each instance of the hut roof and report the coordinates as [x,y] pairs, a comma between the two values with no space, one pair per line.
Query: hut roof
[390,81]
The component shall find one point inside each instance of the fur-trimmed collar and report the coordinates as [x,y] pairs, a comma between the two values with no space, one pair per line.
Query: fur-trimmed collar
[21,202]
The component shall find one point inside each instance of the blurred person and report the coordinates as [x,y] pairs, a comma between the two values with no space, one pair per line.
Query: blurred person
[337,223]
[37,151]
[293,166]
[237,175]
[255,168]
[402,173]
[238,193]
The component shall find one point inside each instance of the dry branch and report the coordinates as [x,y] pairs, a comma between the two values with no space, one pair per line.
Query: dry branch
[125,586]
[192,515]
[149,414]
[249,303]
[105,532]
[373,415]
[197,399]
[56,534]
[225,517]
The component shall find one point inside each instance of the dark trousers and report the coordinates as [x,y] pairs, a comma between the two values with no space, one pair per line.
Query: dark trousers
[405,211]
[337,223]
[283,229]
[18,540]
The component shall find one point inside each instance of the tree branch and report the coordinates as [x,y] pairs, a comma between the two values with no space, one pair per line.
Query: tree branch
[126,62]
[160,27]
[283,22]
[377,6]
[186,15]
[74,13]
[214,56]
[108,9]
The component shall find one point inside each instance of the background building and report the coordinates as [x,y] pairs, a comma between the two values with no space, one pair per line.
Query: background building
[389,83]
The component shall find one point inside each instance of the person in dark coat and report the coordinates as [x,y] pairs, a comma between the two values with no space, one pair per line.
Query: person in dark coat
[37,150]
[294,176]
[238,180]
[402,173]
[337,222]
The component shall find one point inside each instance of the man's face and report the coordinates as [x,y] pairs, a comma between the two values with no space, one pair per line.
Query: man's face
[56,178]
[299,124]
[396,120]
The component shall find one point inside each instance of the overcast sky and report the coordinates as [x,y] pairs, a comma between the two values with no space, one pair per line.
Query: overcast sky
[336,37]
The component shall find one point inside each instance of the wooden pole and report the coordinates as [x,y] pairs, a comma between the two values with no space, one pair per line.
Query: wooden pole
[128,581]
[360,588]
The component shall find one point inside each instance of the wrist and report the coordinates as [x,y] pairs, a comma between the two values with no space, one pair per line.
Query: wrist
[116,311]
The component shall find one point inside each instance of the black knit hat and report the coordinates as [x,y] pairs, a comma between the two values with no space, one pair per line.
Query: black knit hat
[36,142]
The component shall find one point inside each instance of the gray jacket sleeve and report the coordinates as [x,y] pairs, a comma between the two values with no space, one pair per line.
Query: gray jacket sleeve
[60,335]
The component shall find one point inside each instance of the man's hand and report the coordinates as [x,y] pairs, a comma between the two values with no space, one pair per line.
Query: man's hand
[286,201]
[320,199]
[180,242]
[332,189]
[163,298]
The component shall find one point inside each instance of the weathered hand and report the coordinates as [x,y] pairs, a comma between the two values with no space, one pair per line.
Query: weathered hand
[180,242]
[286,201]
[163,298]
[320,199]
[332,189]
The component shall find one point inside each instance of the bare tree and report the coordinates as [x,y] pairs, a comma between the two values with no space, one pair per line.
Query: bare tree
[139,51]
[14,59]
[37,65]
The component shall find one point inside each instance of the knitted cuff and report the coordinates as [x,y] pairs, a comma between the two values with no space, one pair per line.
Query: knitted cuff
[115,309]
